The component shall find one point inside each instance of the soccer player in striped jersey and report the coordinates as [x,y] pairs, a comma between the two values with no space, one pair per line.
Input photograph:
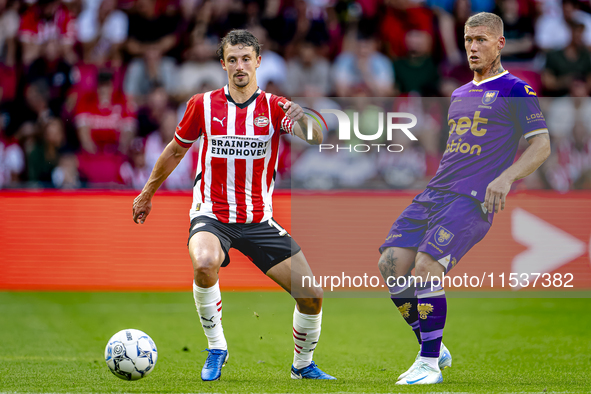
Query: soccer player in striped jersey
[487,118]
[239,127]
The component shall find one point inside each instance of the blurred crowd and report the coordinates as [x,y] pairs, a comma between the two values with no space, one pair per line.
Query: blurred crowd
[91,90]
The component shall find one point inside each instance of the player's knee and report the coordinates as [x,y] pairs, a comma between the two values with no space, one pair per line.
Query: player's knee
[421,269]
[383,266]
[426,266]
[206,264]
[317,293]
[386,264]
[312,293]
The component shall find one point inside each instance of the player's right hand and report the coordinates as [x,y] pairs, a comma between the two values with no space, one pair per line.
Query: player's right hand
[142,205]
[293,110]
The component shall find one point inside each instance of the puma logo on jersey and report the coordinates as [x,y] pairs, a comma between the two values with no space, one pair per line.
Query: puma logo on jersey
[221,121]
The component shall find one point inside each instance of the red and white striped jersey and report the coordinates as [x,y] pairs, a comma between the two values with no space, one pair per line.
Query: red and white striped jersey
[237,153]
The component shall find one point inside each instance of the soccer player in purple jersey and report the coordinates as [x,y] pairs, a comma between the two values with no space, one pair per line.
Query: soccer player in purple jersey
[487,118]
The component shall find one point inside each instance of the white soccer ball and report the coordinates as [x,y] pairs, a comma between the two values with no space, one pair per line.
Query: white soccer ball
[131,354]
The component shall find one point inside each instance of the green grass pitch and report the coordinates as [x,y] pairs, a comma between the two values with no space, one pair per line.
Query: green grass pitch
[54,343]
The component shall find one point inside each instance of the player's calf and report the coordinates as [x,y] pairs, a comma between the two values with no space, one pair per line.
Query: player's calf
[312,303]
[432,308]
[401,287]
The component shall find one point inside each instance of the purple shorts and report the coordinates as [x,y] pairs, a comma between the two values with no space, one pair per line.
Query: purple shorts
[442,224]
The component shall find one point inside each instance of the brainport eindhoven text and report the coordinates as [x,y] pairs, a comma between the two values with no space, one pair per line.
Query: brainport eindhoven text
[345,132]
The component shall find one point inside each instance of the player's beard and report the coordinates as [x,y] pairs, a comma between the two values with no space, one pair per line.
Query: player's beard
[476,69]
[480,68]
[242,83]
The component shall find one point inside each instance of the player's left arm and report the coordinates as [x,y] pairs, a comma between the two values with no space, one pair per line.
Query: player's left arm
[530,121]
[296,114]
[531,159]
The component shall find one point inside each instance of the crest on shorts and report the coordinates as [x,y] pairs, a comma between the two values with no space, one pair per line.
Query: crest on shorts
[404,309]
[489,97]
[424,310]
[261,121]
[443,236]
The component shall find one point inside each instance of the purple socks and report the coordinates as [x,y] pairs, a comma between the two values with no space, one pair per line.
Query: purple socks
[431,310]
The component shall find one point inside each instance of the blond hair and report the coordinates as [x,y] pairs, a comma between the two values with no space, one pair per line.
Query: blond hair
[492,21]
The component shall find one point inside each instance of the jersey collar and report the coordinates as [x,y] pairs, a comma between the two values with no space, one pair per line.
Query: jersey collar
[244,104]
[490,78]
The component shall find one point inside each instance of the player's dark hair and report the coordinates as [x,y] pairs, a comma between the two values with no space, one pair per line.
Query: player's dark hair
[239,37]
[490,20]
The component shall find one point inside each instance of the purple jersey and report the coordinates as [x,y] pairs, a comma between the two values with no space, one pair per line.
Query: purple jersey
[486,121]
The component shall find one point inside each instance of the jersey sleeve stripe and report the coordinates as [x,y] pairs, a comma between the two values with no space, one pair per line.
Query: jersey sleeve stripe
[183,140]
[535,132]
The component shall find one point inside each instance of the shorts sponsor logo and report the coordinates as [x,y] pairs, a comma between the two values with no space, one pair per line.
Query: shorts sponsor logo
[424,310]
[392,236]
[435,246]
[443,236]
[261,121]
[489,97]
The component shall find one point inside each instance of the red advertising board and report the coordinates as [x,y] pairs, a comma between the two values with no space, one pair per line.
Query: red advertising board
[88,241]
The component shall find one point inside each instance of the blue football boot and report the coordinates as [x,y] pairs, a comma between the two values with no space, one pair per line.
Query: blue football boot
[216,359]
[310,372]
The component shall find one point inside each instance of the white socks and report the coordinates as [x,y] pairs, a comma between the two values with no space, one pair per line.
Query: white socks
[306,328]
[306,331]
[433,362]
[209,307]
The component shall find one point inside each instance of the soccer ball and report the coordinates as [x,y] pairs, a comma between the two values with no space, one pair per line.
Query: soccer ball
[131,354]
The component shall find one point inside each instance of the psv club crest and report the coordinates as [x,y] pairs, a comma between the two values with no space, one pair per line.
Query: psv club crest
[443,236]
[489,97]
[261,121]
